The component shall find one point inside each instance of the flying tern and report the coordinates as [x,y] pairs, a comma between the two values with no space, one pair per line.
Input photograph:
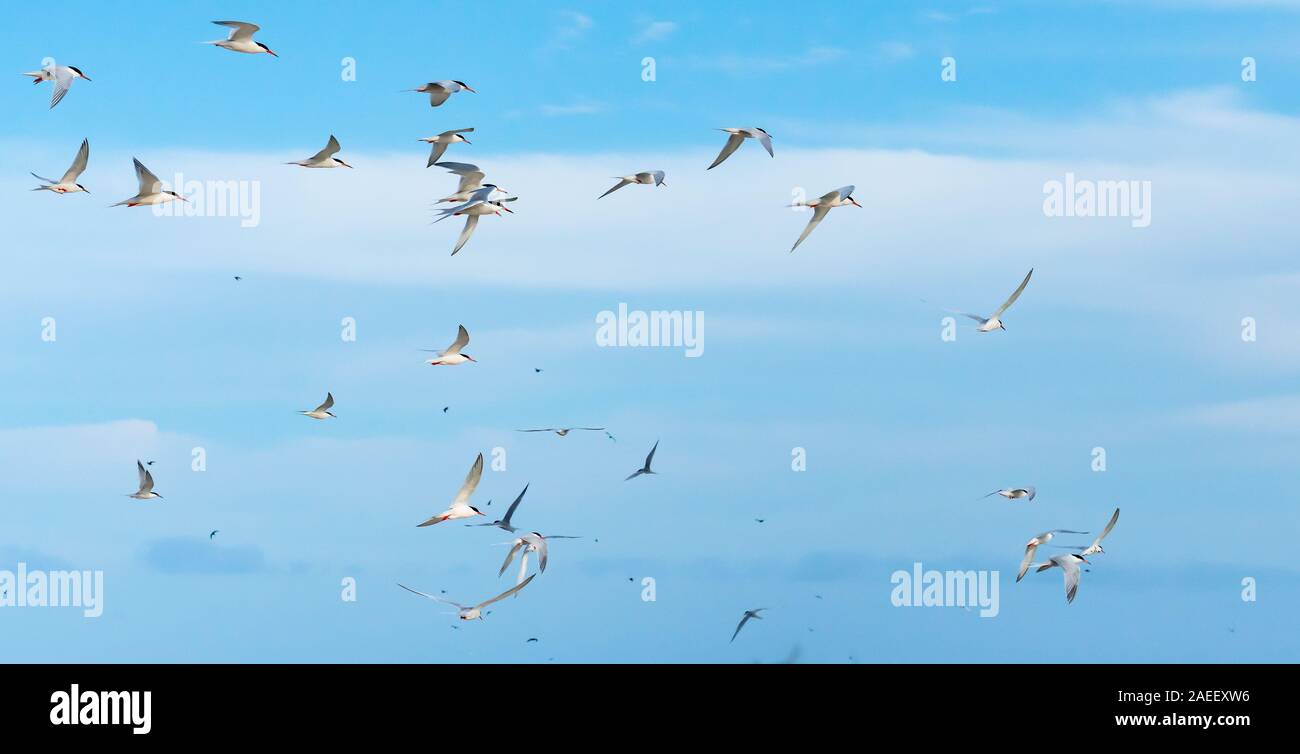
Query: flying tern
[646,468]
[61,75]
[504,523]
[745,619]
[1015,493]
[1069,563]
[993,321]
[737,137]
[1033,544]
[1095,547]
[823,204]
[478,206]
[68,183]
[439,91]
[475,612]
[324,158]
[323,410]
[151,190]
[444,140]
[655,177]
[562,431]
[531,542]
[460,507]
[452,355]
[241,38]
[146,484]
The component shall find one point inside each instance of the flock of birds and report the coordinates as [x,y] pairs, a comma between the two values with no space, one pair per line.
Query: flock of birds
[475,198]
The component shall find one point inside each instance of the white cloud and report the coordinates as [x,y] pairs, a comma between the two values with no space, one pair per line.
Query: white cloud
[896,51]
[751,64]
[582,107]
[655,31]
[573,26]
[1271,414]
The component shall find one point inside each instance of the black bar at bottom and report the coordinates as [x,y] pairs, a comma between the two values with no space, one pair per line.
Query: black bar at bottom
[1063,704]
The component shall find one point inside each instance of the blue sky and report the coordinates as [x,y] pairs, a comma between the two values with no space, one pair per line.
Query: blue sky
[1127,338]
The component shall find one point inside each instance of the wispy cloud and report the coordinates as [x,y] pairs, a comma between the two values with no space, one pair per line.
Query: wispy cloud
[655,31]
[582,107]
[738,64]
[895,51]
[199,555]
[572,27]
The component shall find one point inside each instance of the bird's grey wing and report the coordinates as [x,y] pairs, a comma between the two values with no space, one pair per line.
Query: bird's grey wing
[42,178]
[1110,525]
[1007,304]
[141,473]
[1024,564]
[545,429]
[766,141]
[650,458]
[433,597]
[508,592]
[975,317]
[62,83]
[239,29]
[733,143]
[462,340]
[510,556]
[634,475]
[542,551]
[470,175]
[328,404]
[592,429]
[621,183]
[436,153]
[658,175]
[819,212]
[511,510]
[739,626]
[471,481]
[438,94]
[471,222]
[1064,531]
[147,484]
[149,182]
[1071,570]
[78,164]
[331,148]
[457,131]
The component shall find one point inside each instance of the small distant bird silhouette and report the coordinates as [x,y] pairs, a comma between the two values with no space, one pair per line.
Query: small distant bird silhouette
[238,278]
[531,640]
[646,469]
[760,520]
[148,463]
[535,369]
[444,409]
[214,533]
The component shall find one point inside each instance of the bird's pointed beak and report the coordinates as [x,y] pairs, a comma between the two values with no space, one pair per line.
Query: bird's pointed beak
[470,90]
[84,76]
[467,141]
[854,202]
[471,358]
[507,209]
[271,52]
[344,164]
